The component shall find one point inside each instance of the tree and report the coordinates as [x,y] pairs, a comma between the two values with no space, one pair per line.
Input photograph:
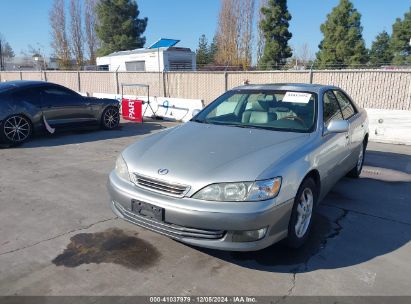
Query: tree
[274,26]
[245,30]
[302,58]
[213,50]
[343,44]
[203,51]
[90,20]
[235,33]
[260,33]
[119,27]
[400,40]
[76,32]
[380,52]
[60,43]
[6,52]
[227,34]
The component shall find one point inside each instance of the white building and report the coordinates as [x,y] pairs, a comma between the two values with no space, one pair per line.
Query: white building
[161,56]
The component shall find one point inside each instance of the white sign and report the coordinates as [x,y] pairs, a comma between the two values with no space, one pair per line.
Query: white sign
[168,108]
[297,97]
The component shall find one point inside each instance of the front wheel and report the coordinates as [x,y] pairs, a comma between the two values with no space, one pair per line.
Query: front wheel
[356,171]
[302,214]
[16,129]
[111,118]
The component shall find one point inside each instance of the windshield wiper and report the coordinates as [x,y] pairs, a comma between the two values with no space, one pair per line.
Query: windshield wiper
[250,127]
[199,120]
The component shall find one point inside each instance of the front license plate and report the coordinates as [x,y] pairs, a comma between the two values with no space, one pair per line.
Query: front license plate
[147,210]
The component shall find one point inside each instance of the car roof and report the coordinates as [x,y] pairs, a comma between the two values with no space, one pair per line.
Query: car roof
[316,88]
[20,83]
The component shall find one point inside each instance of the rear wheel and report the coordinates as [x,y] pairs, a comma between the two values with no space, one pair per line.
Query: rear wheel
[16,129]
[356,171]
[302,214]
[111,118]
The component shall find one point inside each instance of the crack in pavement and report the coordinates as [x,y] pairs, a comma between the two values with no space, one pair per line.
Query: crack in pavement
[59,235]
[367,214]
[304,266]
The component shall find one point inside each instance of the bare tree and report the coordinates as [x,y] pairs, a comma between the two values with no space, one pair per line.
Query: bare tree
[76,32]
[235,33]
[304,54]
[227,34]
[246,19]
[260,37]
[90,20]
[60,43]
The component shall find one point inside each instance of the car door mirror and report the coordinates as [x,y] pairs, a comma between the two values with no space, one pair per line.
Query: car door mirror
[336,126]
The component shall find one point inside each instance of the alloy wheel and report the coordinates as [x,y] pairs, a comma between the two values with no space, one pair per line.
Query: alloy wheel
[304,212]
[17,128]
[111,118]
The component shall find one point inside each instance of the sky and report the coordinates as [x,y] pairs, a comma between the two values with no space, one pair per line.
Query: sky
[25,22]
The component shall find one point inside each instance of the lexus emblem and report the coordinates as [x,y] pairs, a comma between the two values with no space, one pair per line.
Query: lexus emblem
[162,171]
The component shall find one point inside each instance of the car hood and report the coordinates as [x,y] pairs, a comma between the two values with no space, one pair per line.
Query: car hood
[200,154]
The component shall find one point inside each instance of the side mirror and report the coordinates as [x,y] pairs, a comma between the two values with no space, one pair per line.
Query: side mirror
[337,126]
[195,112]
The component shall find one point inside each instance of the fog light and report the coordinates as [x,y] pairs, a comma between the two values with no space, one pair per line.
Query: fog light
[249,236]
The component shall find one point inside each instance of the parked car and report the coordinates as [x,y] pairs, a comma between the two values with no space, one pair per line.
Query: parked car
[29,106]
[245,172]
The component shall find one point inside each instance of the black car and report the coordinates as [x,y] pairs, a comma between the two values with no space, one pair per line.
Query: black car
[30,106]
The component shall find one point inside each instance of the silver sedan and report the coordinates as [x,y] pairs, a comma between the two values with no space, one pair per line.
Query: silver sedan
[247,171]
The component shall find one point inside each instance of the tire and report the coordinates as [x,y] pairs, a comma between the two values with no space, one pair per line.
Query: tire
[302,214]
[356,171]
[110,119]
[16,129]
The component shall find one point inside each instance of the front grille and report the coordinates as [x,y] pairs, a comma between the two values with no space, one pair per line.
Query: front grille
[159,186]
[171,230]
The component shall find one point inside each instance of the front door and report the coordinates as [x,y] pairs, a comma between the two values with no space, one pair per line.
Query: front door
[335,148]
[62,106]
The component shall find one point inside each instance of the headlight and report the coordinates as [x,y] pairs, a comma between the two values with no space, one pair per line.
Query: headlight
[243,191]
[121,168]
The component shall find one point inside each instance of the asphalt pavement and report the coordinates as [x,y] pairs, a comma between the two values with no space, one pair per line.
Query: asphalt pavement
[59,237]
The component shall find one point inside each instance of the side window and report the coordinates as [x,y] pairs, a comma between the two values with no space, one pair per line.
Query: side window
[28,95]
[58,92]
[58,96]
[331,108]
[347,108]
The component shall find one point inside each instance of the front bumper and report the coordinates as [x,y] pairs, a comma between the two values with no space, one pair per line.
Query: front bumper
[204,224]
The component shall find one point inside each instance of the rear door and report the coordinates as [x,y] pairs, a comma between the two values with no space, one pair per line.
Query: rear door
[62,106]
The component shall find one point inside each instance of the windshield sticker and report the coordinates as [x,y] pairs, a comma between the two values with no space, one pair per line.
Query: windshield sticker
[297,97]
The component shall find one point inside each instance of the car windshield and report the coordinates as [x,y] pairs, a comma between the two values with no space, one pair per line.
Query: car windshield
[273,110]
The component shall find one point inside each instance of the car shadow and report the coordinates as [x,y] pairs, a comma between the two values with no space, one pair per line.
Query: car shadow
[92,134]
[353,224]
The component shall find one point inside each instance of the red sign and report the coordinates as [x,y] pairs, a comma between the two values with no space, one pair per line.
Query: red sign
[132,110]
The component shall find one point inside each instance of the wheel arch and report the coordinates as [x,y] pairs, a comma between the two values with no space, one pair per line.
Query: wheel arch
[314,174]
[366,140]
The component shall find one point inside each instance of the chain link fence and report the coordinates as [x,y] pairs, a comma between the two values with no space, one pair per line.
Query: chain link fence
[379,89]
